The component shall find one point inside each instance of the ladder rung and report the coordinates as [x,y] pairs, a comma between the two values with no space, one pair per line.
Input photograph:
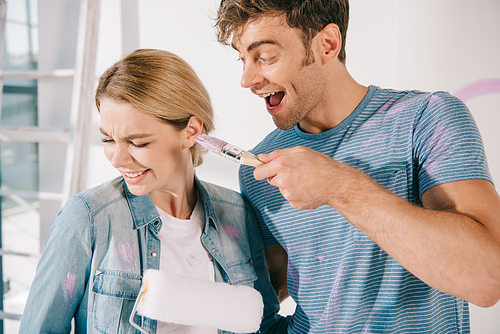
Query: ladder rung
[62,73]
[33,135]
[7,252]
[32,194]
[11,316]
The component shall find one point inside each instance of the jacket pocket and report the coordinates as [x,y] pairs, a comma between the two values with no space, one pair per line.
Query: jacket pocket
[241,273]
[114,297]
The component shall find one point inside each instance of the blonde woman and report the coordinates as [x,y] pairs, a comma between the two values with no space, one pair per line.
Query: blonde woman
[156,215]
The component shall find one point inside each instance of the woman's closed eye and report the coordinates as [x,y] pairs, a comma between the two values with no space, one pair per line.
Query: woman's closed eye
[140,145]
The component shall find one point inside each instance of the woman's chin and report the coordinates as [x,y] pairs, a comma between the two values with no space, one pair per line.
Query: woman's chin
[137,190]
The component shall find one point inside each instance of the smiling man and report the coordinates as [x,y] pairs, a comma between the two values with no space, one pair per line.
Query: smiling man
[376,205]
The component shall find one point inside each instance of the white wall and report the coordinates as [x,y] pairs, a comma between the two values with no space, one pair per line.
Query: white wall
[420,44]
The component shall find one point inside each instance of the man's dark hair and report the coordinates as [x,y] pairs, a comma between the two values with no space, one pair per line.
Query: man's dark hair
[310,16]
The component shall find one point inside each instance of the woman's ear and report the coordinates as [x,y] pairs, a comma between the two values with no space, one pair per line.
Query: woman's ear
[192,131]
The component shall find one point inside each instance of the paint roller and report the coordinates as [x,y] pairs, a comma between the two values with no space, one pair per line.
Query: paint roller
[191,301]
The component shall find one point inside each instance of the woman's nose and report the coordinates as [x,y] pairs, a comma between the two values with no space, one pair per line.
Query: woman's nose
[120,157]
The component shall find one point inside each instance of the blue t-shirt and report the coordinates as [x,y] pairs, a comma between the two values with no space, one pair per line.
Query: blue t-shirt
[342,282]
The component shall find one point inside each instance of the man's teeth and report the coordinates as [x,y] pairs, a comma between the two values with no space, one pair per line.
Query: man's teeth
[266,95]
[133,174]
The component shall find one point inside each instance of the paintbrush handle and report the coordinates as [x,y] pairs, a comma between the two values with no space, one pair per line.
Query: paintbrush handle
[249,159]
[239,155]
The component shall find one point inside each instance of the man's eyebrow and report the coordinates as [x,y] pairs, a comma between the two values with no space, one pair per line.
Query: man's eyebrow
[131,137]
[256,44]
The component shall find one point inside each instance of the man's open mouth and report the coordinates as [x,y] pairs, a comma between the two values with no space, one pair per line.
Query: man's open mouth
[273,99]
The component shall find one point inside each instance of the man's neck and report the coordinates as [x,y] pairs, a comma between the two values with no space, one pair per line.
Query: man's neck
[344,94]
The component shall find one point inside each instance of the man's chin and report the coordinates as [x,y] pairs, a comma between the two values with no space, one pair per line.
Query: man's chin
[283,124]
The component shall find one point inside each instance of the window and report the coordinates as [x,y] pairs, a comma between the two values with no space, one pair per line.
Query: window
[18,161]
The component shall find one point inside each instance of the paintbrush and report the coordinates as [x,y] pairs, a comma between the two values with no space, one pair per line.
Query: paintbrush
[228,151]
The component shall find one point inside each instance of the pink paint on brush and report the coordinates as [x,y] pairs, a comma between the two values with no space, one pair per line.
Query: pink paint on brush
[211,143]
[228,151]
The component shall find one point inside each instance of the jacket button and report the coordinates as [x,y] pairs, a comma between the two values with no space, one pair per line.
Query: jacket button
[153,254]
[214,250]
[156,223]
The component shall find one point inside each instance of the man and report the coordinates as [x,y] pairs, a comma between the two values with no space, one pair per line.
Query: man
[401,225]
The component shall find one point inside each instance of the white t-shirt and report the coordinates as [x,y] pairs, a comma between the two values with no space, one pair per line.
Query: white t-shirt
[183,253]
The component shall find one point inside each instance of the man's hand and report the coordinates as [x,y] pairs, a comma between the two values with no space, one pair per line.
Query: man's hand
[301,175]
[309,179]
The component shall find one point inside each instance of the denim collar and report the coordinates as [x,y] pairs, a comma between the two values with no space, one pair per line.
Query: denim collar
[144,210]
[204,197]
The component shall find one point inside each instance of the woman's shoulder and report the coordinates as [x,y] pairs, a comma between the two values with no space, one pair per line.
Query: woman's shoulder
[103,194]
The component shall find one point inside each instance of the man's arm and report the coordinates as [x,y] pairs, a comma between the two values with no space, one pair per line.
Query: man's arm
[452,243]
[277,262]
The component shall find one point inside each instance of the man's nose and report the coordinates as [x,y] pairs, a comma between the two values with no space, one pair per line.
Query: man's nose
[251,76]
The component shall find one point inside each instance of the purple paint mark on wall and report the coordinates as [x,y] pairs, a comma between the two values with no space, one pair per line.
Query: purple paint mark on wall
[232,231]
[481,87]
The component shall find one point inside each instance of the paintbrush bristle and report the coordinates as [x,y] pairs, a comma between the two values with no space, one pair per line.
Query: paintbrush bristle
[211,143]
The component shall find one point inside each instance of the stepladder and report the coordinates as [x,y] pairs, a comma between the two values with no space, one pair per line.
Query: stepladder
[71,137]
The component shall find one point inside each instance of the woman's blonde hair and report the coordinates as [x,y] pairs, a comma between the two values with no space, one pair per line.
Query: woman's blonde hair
[160,84]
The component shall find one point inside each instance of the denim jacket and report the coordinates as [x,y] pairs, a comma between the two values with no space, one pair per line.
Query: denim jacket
[105,238]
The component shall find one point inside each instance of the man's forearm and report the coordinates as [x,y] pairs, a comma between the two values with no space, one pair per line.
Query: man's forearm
[456,251]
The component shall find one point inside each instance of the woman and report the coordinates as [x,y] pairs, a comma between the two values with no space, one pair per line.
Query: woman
[156,215]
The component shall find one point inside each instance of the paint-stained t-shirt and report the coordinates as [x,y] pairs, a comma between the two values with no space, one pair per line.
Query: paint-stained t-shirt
[342,282]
